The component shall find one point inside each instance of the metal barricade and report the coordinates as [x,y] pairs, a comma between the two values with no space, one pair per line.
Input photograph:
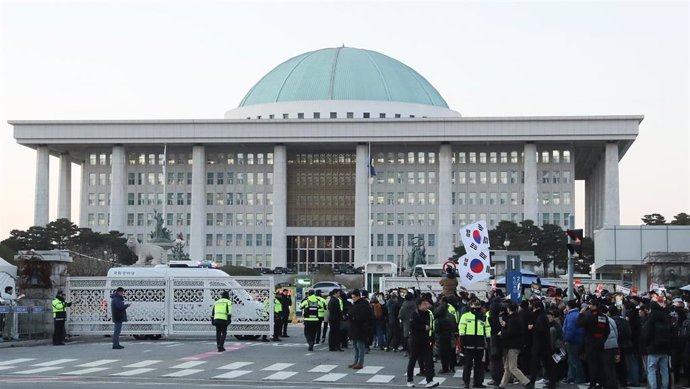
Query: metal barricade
[23,322]
[165,306]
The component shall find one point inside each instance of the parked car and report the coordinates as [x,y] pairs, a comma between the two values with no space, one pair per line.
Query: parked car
[279,270]
[264,270]
[290,270]
[350,270]
[327,286]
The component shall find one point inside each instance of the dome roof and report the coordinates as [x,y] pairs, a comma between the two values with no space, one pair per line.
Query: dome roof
[343,73]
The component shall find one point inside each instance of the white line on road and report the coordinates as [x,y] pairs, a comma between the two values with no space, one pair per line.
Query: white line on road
[85,371]
[7,367]
[437,379]
[235,365]
[173,345]
[184,373]
[133,372]
[380,379]
[233,374]
[281,375]
[369,370]
[187,365]
[39,370]
[16,361]
[330,377]
[323,368]
[277,366]
[55,362]
[100,362]
[148,362]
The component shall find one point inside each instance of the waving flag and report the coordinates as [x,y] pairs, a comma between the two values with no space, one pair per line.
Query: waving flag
[474,266]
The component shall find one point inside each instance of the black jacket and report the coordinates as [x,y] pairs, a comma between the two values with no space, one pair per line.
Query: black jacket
[118,308]
[334,312]
[444,322]
[361,320]
[419,335]
[596,326]
[511,334]
[286,302]
[541,332]
[656,333]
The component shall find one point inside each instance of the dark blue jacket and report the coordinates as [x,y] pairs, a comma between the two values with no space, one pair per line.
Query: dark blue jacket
[573,333]
[118,308]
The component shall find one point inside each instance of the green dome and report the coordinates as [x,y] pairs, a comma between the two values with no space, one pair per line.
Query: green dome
[343,73]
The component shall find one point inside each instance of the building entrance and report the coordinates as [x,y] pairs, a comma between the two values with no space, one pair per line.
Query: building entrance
[309,252]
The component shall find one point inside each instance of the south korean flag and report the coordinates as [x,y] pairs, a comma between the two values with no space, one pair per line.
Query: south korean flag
[475,237]
[474,268]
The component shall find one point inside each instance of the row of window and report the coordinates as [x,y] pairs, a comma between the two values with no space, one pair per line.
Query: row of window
[247,260]
[391,241]
[239,198]
[471,177]
[239,219]
[159,159]
[238,178]
[332,115]
[401,198]
[322,159]
[505,198]
[463,157]
[239,240]
[402,219]
[329,179]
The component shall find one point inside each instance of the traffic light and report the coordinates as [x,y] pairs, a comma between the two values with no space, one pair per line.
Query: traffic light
[575,242]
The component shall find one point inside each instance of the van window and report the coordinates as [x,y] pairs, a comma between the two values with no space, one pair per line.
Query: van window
[434,272]
[418,272]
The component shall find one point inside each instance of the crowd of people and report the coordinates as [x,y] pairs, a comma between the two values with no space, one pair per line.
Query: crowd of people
[603,339]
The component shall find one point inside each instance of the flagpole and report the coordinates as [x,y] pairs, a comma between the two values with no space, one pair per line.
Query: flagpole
[369,219]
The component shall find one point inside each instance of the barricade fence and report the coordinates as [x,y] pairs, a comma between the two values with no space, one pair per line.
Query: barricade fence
[165,306]
[24,321]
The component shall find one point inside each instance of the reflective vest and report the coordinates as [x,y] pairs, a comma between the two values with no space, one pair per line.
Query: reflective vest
[322,308]
[310,301]
[58,308]
[277,306]
[222,308]
[454,312]
[432,324]
[474,329]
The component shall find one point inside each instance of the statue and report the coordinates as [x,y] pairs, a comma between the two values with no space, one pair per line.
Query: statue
[177,249]
[418,254]
[160,234]
[146,252]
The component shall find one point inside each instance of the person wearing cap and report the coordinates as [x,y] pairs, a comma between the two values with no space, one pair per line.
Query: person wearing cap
[119,312]
[310,312]
[221,317]
[473,330]
[59,316]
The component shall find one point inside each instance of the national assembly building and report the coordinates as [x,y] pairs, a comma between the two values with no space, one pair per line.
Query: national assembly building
[337,156]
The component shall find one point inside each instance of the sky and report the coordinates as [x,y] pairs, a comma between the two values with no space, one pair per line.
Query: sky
[197,59]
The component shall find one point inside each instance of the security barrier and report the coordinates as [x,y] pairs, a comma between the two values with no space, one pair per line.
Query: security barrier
[167,306]
[24,321]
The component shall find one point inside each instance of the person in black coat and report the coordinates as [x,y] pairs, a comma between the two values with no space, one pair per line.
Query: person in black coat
[420,343]
[525,357]
[541,345]
[596,326]
[511,339]
[657,342]
[335,316]
[286,302]
[361,320]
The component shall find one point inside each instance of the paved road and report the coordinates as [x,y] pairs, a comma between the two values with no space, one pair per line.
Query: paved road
[186,363]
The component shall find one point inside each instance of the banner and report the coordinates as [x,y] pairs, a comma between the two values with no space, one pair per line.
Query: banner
[474,266]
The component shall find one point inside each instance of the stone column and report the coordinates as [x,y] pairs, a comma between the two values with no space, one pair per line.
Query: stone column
[445,215]
[41,201]
[531,194]
[118,189]
[611,195]
[589,208]
[65,188]
[279,229]
[197,237]
[362,206]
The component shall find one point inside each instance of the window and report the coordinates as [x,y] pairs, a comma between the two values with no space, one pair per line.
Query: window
[482,177]
[431,198]
[209,198]
[131,178]
[556,200]
[566,198]
[504,177]
[209,219]
[556,159]
[472,178]
[545,218]
[492,157]
[566,177]
[365,115]
[513,157]
[130,219]
[566,156]
[473,157]
[249,240]
[544,157]
[317,115]
[209,239]
[130,198]
[566,219]
[504,157]
[557,217]
[432,240]
[482,157]
[461,177]
[545,177]
[493,177]
[461,157]
[545,198]
[556,177]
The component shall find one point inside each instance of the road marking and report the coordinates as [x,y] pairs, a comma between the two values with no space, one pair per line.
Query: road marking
[381,379]
[145,363]
[330,377]
[437,379]
[173,345]
[369,370]
[39,370]
[184,373]
[277,366]
[458,374]
[232,374]
[7,367]
[85,371]
[132,372]
[16,361]
[187,365]
[281,375]
[235,365]
[55,362]
[98,363]
[323,369]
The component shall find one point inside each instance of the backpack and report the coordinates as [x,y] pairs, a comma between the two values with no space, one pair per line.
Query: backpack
[378,312]
[312,309]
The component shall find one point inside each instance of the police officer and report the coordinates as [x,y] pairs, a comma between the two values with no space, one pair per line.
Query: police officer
[322,315]
[473,331]
[310,312]
[277,318]
[222,316]
[59,316]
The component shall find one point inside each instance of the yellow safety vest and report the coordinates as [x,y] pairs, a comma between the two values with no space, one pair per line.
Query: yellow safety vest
[453,312]
[305,303]
[277,306]
[470,326]
[58,306]
[222,308]
[432,324]
[322,307]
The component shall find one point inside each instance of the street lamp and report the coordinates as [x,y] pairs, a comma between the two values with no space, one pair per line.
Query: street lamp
[506,242]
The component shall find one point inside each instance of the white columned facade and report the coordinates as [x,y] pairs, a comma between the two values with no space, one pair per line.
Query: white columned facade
[118,189]
[445,215]
[362,206]
[589,224]
[611,194]
[531,194]
[41,201]
[65,188]
[279,229]
[197,236]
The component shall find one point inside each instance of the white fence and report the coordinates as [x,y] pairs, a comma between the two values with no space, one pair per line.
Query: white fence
[165,306]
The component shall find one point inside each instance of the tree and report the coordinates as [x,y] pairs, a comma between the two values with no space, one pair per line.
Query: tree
[681,219]
[654,219]
[551,247]
[18,240]
[7,254]
[62,232]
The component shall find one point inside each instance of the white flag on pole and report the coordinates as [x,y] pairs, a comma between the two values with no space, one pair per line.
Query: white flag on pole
[474,266]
